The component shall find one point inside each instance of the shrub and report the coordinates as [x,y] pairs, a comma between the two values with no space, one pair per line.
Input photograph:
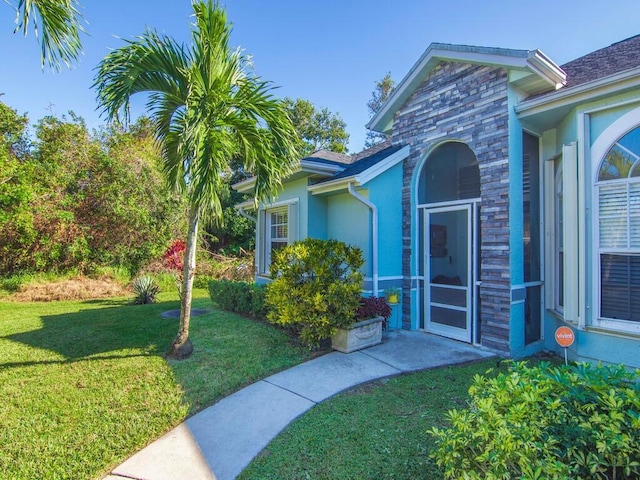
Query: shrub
[315,288]
[371,307]
[173,259]
[146,290]
[240,297]
[578,422]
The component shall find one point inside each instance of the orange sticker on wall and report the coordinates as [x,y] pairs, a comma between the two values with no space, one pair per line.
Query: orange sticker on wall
[565,337]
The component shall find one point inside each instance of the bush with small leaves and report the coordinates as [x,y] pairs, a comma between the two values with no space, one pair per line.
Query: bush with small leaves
[578,422]
[315,288]
[240,297]
[146,290]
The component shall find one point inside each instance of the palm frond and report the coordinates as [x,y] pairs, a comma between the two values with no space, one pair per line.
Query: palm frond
[206,105]
[150,63]
[57,23]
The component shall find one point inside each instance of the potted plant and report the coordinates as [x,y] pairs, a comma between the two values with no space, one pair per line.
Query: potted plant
[367,326]
[392,294]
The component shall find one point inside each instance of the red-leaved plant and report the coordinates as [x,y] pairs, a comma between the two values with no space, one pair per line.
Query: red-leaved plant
[173,259]
[371,307]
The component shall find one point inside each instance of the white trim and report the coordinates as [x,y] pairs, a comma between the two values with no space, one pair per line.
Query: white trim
[306,165]
[570,231]
[269,206]
[247,205]
[535,62]
[384,165]
[466,334]
[245,186]
[374,234]
[396,277]
[263,243]
[333,185]
[584,139]
[605,140]
[451,203]
[569,96]
[310,166]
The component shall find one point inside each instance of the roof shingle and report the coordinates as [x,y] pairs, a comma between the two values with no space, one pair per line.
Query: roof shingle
[615,58]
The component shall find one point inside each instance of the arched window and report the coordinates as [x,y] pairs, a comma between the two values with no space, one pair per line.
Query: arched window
[451,173]
[618,195]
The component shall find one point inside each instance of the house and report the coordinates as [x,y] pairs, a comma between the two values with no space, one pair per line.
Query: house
[506,204]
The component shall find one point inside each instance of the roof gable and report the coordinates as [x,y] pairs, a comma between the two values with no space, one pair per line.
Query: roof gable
[364,170]
[539,73]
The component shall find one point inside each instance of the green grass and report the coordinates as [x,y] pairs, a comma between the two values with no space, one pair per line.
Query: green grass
[375,431]
[84,384]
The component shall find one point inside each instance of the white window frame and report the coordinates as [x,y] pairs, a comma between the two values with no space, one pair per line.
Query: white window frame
[601,146]
[265,238]
[282,212]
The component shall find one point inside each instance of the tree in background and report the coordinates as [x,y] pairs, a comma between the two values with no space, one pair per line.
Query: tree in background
[16,188]
[75,201]
[57,23]
[381,93]
[207,109]
[317,129]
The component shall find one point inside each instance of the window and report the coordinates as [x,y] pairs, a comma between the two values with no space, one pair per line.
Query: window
[532,239]
[278,229]
[618,196]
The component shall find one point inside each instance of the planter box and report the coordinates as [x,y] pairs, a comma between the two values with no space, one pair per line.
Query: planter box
[359,335]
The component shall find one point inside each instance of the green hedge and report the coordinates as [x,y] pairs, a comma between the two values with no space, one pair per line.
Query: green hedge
[543,422]
[239,297]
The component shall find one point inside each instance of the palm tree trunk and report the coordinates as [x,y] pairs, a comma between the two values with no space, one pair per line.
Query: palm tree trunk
[181,346]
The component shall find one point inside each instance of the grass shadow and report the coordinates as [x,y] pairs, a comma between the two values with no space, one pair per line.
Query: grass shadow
[114,327]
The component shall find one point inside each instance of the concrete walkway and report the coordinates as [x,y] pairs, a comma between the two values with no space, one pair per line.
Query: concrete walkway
[220,441]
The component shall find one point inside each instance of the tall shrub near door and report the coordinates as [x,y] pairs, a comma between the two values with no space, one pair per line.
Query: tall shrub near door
[315,287]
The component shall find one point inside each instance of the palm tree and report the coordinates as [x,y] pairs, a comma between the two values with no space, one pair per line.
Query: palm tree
[57,22]
[206,108]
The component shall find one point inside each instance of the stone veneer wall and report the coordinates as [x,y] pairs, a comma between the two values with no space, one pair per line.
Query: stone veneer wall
[466,103]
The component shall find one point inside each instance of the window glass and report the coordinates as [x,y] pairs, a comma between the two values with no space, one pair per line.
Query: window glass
[619,226]
[451,173]
[277,233]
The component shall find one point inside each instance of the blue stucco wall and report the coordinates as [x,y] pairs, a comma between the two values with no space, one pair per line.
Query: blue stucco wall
[348,221]
[592,344]
[516,228]
[595,345]
[385,191]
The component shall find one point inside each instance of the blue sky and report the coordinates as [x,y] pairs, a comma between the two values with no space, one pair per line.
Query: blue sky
[328,51]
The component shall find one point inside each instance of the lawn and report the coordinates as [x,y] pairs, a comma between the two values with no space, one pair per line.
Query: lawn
[84,384]
[376,431]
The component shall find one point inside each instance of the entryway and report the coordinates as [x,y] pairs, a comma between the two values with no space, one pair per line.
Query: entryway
[449,231]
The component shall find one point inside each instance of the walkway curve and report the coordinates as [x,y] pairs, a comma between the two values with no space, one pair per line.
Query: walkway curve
[221,440]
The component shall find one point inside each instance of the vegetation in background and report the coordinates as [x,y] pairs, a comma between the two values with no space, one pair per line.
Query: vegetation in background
[315,287]
[71,201]
[383,90]
[317,129]
[579,421]
[373,431]
[208,108]
[84,385]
